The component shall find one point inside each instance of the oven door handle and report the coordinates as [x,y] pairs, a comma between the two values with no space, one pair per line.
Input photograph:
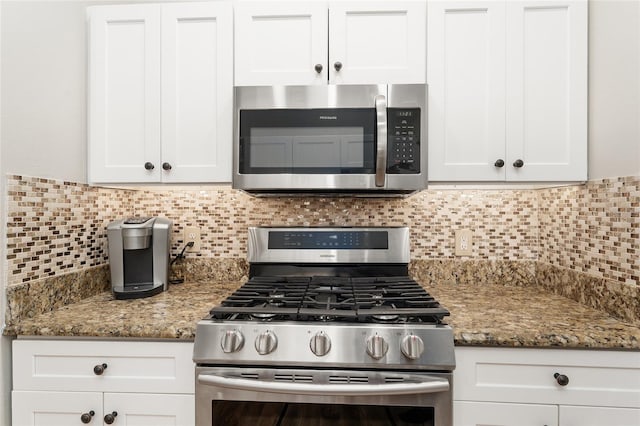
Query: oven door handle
[425,384]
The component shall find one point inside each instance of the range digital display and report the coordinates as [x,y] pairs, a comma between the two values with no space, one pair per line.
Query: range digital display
[338,240]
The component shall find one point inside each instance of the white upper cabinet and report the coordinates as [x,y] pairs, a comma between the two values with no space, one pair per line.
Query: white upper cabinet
[124,93]
[377,42]
[547,89]
[160,92]
[315,42]
[197,91]
[279,43]
[466,76]
[507,90]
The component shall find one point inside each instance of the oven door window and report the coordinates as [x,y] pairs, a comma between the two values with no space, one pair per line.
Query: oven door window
[241,413]
[307,141]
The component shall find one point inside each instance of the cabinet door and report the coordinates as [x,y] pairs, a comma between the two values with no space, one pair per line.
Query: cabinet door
[598,416]
[377,42]
[491,414]
[465,74]
[55,408]
[124,93]
[280,43]
[197,92]
[547,90]
[150,409]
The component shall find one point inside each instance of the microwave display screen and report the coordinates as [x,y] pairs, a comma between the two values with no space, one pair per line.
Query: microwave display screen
[307,141]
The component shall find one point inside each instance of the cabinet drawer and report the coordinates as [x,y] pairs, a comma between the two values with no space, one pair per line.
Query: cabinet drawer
[598,378]
[68,365]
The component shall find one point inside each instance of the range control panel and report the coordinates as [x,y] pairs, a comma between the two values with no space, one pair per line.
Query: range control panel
[403,140]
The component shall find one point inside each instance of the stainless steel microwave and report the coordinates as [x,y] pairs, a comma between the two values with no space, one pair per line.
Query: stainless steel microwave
[362,140]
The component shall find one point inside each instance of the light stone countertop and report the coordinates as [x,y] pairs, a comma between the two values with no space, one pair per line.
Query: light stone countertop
[481,315]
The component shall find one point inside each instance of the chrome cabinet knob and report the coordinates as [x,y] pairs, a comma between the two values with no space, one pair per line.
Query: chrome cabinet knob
[377,347]
[266,342]
[412,346]
[320,344]
[232,341]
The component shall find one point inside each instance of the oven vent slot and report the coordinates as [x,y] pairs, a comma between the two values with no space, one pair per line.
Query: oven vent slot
[394,379]
[253,376]
[348,379]
[292,378]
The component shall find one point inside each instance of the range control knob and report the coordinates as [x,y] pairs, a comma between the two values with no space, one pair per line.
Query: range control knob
[266,342]
[232,341]
[320,344]
[377,347]
[412,346]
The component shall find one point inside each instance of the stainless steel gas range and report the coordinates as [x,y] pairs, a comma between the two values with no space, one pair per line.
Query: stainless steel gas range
[328,330]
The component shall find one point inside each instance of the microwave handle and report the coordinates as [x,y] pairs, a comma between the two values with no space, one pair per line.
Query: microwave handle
[381,154]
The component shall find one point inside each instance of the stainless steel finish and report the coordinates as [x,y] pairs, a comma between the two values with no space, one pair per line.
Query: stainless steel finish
[398,251]
[330,96]
[208,390]
[232,341]
[412,346]
[377,347]
[320,344]
[159,230]
[136,238]
[381,154]
[377,384]
[266,342]
[348,345]
[303,97]
[405,364]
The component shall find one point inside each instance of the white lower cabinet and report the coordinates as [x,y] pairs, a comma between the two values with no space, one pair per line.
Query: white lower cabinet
[519,387]
[495,414]
[599,416]
[75,382]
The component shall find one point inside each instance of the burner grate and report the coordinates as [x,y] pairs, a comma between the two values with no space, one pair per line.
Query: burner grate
[327,298]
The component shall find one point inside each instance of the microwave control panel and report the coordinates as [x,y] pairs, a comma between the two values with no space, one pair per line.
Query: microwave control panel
[403,140]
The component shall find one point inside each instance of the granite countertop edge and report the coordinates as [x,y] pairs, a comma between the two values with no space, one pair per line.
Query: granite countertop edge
[479,316]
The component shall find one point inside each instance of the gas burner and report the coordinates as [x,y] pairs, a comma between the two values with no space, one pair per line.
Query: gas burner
[385,318]
[325,318]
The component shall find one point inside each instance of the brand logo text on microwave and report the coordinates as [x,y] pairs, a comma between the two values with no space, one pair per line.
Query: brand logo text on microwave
[328,117]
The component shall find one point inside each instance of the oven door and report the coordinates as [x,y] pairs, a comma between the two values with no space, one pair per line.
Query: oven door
[283,397]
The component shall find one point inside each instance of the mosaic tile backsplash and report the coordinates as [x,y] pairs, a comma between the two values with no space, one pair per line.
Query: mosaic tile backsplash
[504,222]
[56,227]
[593,228]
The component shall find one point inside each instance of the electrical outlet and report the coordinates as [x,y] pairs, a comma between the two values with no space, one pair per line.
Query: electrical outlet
[464,242]
[192,233]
